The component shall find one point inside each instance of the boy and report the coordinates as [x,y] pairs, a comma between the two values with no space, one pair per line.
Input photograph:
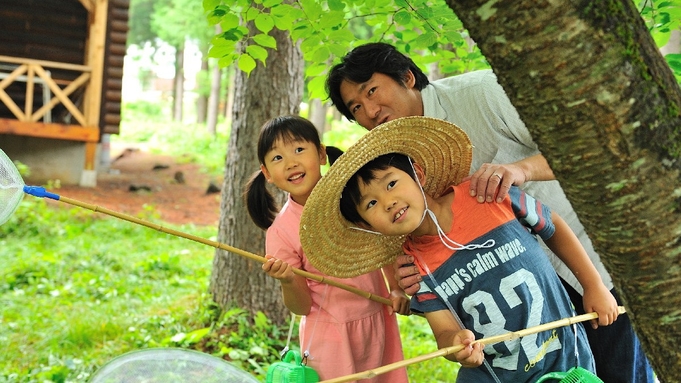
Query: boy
[484,273]
[375,83]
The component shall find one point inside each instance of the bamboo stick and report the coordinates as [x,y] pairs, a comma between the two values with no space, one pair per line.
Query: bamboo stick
[454,349]
[218,245]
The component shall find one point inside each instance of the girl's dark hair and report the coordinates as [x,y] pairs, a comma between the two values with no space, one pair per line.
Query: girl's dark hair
[351,194]
[362,62]
[259,201]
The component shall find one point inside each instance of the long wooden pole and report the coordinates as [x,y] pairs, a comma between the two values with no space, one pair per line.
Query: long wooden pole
[40,192]
[454,349]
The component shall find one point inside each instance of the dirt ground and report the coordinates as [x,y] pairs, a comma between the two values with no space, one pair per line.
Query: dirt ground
[178,192]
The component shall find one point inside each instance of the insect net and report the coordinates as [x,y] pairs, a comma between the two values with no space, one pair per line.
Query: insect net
[11,187]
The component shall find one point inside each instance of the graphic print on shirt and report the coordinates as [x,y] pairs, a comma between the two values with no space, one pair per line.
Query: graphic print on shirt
[494,322]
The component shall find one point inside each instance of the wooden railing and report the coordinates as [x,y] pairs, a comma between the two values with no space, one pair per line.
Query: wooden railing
[37,72]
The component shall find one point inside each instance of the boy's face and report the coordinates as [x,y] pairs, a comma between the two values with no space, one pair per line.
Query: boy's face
[294,166]
[381,99]
[392,202]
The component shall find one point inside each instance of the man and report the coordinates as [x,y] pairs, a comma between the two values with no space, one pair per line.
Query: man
[375,83]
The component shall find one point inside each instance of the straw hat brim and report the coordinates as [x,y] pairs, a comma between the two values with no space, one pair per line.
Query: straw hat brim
[331,243]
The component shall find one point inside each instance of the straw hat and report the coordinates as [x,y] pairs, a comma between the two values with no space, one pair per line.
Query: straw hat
[332,243]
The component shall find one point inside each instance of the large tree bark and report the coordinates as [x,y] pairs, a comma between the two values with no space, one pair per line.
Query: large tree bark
[269,91]
[603,105]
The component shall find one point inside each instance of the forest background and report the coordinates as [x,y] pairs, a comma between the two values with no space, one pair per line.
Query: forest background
[72,301]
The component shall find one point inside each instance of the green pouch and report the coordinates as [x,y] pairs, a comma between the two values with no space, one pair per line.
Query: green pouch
[291,370]
[573,375]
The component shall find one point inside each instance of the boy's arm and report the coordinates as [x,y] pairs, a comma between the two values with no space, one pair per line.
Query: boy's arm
[397,295]
[448,333]
[597,297]
[294,288]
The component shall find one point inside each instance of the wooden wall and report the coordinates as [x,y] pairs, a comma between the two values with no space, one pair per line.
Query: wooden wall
[117,32]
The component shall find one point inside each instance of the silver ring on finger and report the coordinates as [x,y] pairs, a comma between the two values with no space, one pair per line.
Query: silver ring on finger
[496,175]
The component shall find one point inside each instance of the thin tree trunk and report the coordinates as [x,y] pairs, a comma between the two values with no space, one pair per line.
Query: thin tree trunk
[268,91]
[178,88]
[229,98]
[214,96]
[317,115]
[603,105]
[202,97]
[673,45]
[214,99]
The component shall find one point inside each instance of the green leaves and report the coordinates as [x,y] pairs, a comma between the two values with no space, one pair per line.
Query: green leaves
[265,40]
[661,17]
[674,61]
[246,63]
[328,29]
[264,22]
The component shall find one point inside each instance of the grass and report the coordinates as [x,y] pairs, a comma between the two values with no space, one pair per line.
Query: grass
[79,288]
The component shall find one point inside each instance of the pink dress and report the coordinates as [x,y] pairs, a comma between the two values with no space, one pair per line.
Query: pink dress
[344,332]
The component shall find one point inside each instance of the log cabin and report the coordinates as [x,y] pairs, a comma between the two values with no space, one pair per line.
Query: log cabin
[61,70]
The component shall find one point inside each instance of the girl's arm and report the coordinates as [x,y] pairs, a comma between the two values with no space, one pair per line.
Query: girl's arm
[294,287]
[597,297]
[448,333]
[397,295]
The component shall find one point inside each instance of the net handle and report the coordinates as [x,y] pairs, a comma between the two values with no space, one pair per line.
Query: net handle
[37,191]
[454,349]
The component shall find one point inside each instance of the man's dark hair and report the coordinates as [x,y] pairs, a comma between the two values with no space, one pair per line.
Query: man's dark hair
[362,62]
[351,194]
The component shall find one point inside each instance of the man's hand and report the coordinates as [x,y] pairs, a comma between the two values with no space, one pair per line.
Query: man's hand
[492,181]
[407,274]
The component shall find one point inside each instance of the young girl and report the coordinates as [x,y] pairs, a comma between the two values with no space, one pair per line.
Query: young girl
[343,332]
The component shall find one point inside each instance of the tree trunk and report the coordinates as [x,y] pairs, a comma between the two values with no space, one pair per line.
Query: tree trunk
[673,45]
[269,91]
[178,88]
[229,98]
[214,96]
[202,79]
[603,105]
[214,99]
[317,115]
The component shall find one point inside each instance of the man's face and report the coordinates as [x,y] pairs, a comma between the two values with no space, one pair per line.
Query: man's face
[381,99]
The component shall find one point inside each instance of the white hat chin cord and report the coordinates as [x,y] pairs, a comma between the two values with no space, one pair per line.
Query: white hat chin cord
[448,242]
